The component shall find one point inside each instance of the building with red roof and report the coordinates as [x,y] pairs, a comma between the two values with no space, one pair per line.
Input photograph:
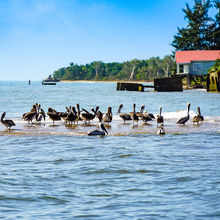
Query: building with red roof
[196,62]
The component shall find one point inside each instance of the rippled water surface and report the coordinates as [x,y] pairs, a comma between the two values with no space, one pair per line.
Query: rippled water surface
[51,172]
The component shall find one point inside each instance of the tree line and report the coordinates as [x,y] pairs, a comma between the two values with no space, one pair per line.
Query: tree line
[140,70]
[202,31]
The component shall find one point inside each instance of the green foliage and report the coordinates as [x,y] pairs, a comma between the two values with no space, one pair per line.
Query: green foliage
[202,32]
[215,67]
[98,70]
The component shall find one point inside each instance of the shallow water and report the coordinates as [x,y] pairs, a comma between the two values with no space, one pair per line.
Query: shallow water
[58,172]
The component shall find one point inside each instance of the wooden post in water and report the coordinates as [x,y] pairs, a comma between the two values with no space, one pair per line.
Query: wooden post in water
[29,82]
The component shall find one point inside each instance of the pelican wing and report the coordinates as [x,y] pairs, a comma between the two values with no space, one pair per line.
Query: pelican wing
[96,132]
[182,120]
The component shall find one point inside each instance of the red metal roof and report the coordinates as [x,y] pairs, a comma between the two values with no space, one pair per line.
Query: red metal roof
[197,55]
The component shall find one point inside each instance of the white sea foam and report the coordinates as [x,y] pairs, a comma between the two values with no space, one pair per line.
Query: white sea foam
[178,114]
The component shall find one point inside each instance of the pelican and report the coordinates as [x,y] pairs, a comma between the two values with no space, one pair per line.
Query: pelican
[139,114]
[198,118]
[37,110]
[146,116]
[134,115]
[63,115]
[87,116]
[7,123]
[183,120]
[146,113]
[123,116]
[99,115]
[71,116]
[107,117]
[41,116]
[78,113]
[161,131]
[53,115]
[34,108]
[160,117]
[99,132]
[29,116]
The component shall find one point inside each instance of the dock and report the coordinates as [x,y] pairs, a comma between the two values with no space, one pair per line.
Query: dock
[130,86]
[167,84]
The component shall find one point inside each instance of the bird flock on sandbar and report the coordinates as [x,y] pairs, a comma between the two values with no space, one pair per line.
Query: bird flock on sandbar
[73,115]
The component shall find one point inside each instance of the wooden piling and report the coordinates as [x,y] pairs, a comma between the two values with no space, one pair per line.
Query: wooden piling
[213,82]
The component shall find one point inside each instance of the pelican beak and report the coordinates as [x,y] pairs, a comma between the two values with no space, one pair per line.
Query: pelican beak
[104,129]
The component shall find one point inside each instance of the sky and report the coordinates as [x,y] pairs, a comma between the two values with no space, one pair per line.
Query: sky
[38,37]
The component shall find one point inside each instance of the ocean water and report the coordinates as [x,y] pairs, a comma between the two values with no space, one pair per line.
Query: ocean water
[58,172]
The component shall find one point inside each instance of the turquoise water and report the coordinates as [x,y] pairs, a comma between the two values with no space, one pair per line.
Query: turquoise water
[130,174]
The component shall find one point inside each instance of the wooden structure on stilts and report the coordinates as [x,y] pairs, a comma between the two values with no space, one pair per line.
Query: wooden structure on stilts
[167,84]
[213,82]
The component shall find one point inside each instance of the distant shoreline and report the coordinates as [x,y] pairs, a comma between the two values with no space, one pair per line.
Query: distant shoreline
[99,81]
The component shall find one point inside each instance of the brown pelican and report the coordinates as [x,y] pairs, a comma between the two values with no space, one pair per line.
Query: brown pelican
[37,110]
[34,108]
[139,114]
[198,118]
[41,116]
[63,115]
[87,116]
[134,115]
[161,131]
[146,116]
[53,110]
[53,115]
[99,132]
[124,116]
[107,117]
[160,117]
[146,113]
[99,115]
[71,116]
[29,116]
[183,120]
[78,113]
[7,123]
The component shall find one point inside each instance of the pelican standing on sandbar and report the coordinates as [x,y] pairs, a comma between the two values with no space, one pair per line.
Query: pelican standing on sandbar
[7,123]
[183,120]
[53,115]
[198,118]
[124,116]
[134,115]
[107,117]
[29,116]
[160,117]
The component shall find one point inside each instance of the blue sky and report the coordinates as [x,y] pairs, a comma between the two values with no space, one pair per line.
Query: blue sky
[40,36]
